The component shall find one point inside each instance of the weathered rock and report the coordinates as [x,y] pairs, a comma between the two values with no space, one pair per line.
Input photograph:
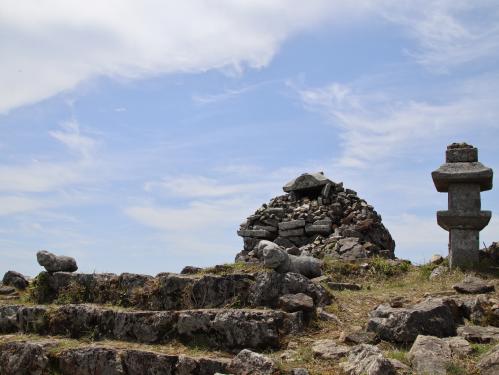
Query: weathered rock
[473,285]
[6,290]
[328,349]
[229,329]
[201,366]
[400,367]
[190,270]
[299,371]
[296,302]
[140,362]
[175,292]
[251,363]
[489,363]
[437,272]
[56,263]
[89,361]
[281,261]
[459,346]
[18,358]
[367,359]
[344,286]
[15,279]
[402,325]
[430,355]
[327,316]
[361,337]
[269,286]
[479,334]
[436,259]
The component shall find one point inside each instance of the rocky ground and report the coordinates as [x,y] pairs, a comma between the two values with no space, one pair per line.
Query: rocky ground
[376,316]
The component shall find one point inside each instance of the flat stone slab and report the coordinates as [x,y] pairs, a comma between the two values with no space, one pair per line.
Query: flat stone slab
[329,349]
[229,329]
[474,286]
[42,357]
[479,334]
[255,233]
[293,224]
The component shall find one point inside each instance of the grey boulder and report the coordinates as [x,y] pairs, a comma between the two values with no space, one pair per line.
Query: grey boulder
[473,285]
[430,355]
[296,302]
[15,279]
[367,359]
[251,363]
[433,317]
[56,263]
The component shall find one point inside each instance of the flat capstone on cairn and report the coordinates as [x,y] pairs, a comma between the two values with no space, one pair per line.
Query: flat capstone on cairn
[315,218]
[463,177]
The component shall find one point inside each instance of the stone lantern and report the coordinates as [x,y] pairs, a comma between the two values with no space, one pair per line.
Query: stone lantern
[463,178]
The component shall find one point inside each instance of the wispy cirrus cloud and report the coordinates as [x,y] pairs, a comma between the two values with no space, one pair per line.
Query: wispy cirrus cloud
[449,33]
[376,125]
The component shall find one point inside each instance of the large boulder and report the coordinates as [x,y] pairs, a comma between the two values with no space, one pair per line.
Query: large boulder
[317,217]
[15,279]
[434,317]
[56,263]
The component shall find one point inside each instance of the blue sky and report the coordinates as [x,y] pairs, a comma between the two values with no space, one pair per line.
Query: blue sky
[137,135]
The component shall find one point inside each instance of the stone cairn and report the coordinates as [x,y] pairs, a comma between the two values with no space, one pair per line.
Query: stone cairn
[317,217]
[463,177]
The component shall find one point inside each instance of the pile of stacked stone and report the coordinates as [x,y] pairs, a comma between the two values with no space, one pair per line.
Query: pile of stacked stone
[320,218]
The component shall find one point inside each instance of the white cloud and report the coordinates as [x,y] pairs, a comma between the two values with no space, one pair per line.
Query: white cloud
[200,186]
[10,205]
[449,33]
[52,46]
[376,126]
[48,176]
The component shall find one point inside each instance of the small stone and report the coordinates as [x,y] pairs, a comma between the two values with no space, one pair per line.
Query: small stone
[55,263]
[400,368]
[296,302]
[299,371]
[361,337]
[473,285]
[398,301]
[327,316]
[251,363]
[328,349]
[15,279]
